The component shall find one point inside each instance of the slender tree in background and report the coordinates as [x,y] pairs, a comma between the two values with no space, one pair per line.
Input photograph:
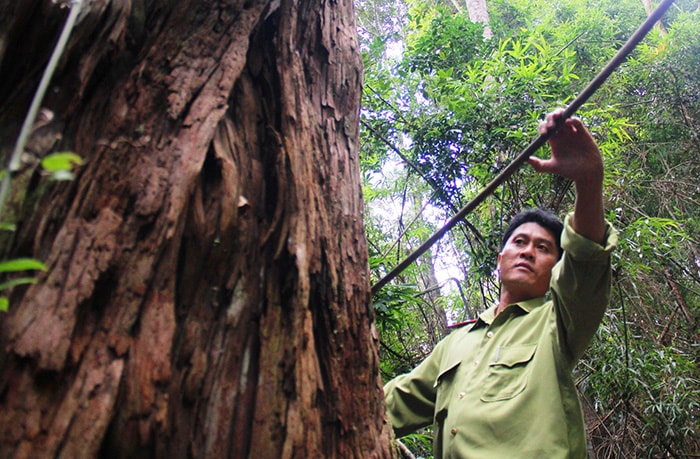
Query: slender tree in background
[479,12]
[207,287]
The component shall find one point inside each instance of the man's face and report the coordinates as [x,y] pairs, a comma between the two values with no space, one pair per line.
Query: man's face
[526,261]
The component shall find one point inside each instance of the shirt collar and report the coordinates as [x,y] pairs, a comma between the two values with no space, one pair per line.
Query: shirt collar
[487,317]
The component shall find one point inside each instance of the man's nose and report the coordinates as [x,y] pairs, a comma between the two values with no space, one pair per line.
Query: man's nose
[528,251]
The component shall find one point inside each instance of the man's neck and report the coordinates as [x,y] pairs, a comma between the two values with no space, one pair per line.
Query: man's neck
[508,298]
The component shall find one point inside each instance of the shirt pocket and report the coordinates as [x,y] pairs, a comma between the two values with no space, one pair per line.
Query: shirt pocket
[444,386]
[507,376]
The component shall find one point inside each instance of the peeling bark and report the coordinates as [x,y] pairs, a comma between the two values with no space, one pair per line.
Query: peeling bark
[207,292]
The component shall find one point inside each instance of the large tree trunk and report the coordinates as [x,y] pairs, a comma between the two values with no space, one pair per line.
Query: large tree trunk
[207,292]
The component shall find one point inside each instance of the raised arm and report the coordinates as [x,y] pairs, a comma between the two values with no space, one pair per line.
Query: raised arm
[576,156]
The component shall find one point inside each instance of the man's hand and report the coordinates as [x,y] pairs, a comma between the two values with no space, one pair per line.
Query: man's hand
[576,156]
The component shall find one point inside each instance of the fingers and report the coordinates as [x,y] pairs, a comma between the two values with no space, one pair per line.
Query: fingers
[535,163]
[575,154]
[563,132]
[550,121]
[540,165]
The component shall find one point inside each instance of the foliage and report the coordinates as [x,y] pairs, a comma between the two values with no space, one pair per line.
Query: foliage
[651,391]
[15,266]
[441,119]
[420,443]
[450,41]
[59,166]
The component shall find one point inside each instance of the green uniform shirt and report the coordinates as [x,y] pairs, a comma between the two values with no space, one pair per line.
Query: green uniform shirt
[502,387]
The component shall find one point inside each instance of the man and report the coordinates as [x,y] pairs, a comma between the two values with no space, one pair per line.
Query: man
[502,387]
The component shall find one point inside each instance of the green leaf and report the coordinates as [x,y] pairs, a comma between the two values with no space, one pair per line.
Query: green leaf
[21,264]
[8,227]
[16,282]
[62,161]
[4,304]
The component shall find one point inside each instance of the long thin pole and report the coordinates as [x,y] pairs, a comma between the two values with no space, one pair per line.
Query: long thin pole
[14,162]
[615,62]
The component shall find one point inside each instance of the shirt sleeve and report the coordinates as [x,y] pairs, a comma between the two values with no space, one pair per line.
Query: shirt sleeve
[410,398]
[581,284]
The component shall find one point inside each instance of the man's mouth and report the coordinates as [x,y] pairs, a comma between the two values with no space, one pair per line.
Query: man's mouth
[524,265]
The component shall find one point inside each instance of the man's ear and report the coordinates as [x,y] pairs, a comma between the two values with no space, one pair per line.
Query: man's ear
[498,261]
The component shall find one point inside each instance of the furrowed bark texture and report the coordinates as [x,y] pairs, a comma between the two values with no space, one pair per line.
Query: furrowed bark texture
[207,291]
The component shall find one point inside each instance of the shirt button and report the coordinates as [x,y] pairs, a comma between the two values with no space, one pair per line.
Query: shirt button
[461,395]
[476,363]
[489,334]
[453,431]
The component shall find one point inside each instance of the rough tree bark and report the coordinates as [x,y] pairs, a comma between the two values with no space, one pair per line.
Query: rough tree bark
[207,292]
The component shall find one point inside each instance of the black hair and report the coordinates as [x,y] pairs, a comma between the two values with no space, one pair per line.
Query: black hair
[542,217]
